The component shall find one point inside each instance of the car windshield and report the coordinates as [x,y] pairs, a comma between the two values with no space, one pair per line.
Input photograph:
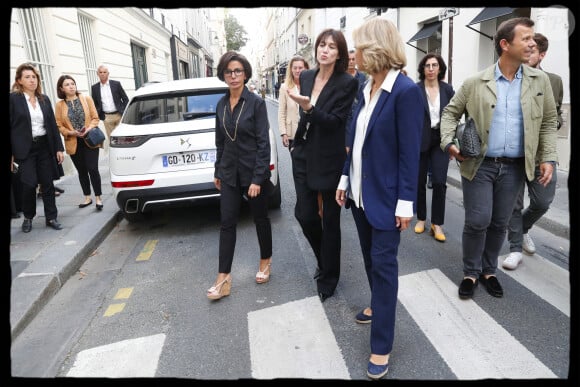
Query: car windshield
[172,107]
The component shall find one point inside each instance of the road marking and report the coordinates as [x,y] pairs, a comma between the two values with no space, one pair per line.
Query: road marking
[123,293]
[546,279]
[131,358]
[469,340]
[113,309]
[148,249]
[294,340]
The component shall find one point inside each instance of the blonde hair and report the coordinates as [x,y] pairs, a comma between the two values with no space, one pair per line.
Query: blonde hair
[381,46]
[289,80]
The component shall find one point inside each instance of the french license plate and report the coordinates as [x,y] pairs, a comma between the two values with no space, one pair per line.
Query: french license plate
[188,158]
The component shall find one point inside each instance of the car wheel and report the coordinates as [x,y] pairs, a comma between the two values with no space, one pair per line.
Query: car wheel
[276,196]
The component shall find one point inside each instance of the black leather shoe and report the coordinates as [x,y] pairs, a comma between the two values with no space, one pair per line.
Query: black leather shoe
[16,215]
[324,296]
[58,189]
[492,285]
[27,225]
[83,205]
[53,224]
[466,288]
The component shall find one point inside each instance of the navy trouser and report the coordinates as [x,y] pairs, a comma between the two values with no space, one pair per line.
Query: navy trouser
[379,250]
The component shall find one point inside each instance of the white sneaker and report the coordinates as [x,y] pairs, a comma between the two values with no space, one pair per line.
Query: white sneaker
[528,244]
[512,261]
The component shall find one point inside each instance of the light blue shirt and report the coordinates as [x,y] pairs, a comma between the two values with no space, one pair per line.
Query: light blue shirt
[506,134]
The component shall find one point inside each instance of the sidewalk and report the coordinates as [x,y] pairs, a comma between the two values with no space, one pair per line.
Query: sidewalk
[44,259]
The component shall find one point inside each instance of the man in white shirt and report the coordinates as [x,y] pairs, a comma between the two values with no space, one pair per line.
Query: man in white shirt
[110,100]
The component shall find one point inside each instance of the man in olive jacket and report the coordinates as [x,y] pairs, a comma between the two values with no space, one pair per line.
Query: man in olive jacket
[513,136]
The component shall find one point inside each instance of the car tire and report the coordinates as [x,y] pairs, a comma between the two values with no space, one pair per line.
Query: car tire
[275,200]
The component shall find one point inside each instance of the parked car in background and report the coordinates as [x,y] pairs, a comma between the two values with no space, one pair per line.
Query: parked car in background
[163,151]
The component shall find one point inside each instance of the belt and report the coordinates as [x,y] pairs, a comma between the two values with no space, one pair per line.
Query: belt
[39,138]
[111,112]
[506,160]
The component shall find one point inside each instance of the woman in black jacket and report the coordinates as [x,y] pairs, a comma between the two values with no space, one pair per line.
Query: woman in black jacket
[437,95]
[36,144]
[242,167]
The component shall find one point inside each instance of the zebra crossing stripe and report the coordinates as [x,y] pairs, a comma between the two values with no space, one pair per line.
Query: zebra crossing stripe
[294,340]
[470,341]
[548,280]
[133,358]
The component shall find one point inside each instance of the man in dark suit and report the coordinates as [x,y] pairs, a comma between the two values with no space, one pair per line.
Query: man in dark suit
[110,100]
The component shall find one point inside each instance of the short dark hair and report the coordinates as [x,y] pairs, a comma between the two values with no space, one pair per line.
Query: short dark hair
[442,66]
[506,31]
[229,57]
[338,37]
[541,42]
[61,94]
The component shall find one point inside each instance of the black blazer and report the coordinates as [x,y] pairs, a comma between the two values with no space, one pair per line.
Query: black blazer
[446,92]
[248,157]
[21,130]
[323,148]
[119,97]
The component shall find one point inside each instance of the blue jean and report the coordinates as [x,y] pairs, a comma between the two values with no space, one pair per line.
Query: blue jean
[488,200]
[540,199]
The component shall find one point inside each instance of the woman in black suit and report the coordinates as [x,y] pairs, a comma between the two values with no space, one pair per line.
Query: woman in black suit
[36,144]
[242,167]
[436,95]
[326,96]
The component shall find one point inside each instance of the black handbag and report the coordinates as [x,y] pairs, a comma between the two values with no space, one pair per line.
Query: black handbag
[95,138]
[467,139]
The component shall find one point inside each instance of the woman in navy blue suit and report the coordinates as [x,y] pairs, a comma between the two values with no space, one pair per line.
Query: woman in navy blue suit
[436,95]
[325,99]
[379,178]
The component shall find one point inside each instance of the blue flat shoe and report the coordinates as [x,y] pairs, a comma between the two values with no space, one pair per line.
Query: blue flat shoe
[363,318]
[376,371]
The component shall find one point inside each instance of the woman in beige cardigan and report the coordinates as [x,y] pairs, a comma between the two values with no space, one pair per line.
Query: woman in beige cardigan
[76,115]
[288,115]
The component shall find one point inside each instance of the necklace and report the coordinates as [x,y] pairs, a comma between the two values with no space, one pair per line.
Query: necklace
[237,121]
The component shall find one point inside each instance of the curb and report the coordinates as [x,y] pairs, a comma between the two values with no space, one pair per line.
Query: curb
[44,277]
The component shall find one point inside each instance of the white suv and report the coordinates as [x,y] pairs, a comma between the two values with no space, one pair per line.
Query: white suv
[163,151]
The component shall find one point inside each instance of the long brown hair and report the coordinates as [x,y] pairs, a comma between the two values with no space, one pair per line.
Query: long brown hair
[17,87]
[342,62]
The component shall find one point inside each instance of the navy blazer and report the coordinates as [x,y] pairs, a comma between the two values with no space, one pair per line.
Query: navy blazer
[21,129]
[390,152]
[446,92]
[323,148]
[119,97]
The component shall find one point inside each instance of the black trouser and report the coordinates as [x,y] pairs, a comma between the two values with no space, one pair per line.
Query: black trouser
[38,168]
[86,161]
[230,201]
[323,235]
[439,163]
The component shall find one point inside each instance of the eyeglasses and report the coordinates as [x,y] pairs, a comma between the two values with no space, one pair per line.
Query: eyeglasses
[230,73]
[431,65]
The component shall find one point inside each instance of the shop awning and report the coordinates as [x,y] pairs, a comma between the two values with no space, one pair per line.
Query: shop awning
[489,13]
[425,32]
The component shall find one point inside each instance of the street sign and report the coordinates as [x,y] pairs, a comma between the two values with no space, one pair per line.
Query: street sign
[446,13]
[302,39]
